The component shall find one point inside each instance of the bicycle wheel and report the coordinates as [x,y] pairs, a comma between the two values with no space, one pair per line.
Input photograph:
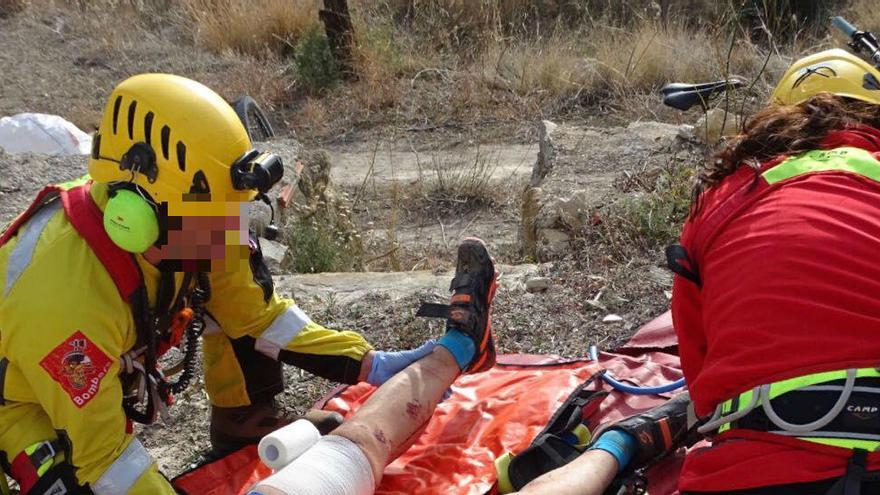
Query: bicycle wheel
[253,118]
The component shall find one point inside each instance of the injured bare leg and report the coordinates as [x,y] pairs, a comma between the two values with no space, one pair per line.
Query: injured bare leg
[630,442]
[589,474]
[385,426]
[350,460]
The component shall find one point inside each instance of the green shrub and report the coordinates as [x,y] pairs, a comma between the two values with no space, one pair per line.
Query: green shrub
[313,63]
[649,219]
[318,246]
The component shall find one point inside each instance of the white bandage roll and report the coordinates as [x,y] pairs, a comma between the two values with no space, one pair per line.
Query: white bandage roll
[283,446]
[334,466]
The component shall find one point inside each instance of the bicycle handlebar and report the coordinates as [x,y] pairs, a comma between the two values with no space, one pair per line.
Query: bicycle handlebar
[844,25]
[861,40]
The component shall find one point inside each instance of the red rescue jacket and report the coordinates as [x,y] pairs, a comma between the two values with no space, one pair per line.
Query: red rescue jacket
[790,286]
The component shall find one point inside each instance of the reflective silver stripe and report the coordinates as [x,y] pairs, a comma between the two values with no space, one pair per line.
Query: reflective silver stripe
[837,388]
[211,325]
[27,241]
[125,470]
[285,327]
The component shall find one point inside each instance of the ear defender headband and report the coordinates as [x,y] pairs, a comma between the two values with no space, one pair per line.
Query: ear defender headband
[129,218]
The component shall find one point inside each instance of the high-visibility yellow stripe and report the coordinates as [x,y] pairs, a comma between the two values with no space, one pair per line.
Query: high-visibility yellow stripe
[791,384]
[846,159]
[785,386]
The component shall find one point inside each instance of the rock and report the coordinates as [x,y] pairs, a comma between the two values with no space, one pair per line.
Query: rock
[652,131]
[273,253]
[553,243]
[537,284]
[574,211]
[660,276]
[612,319]
[351,286]
[574,174]
[532,194]
[716,124]
[546,153]
[686,132]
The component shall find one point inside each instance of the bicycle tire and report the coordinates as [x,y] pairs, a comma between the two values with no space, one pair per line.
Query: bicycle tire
[254,119]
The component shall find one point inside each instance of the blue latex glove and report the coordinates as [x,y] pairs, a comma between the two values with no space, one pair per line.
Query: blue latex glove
[388,363]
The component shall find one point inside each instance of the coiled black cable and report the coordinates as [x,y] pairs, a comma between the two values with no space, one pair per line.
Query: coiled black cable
[200,296]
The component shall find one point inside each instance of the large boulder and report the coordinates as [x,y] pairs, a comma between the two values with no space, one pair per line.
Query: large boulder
[574,174]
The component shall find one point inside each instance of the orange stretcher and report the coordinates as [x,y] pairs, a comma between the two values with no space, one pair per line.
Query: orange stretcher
[487,415]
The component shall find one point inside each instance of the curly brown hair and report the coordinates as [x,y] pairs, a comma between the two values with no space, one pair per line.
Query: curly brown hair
[784,129]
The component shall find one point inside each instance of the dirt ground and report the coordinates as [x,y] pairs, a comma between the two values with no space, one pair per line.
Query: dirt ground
[66,65]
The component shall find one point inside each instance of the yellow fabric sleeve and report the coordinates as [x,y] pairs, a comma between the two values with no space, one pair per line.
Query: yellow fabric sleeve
[239,306]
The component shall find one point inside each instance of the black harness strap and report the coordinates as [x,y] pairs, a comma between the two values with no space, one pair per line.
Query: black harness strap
[4,363]
[680,263]
[851,481]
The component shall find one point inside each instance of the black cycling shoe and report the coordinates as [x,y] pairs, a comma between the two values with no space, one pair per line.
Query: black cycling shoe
[656,430]
[470,309]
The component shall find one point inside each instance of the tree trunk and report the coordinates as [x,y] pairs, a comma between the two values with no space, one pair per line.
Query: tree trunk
[340,34]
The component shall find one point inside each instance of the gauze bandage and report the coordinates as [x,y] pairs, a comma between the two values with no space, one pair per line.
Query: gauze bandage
[333,466]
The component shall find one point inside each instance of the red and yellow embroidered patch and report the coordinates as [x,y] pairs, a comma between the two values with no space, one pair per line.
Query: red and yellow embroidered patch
[78,365]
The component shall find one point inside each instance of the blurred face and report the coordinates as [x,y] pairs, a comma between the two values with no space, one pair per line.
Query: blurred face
[204,243]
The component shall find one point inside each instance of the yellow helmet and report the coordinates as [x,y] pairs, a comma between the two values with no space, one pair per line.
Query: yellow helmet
[833,71]
[182,144]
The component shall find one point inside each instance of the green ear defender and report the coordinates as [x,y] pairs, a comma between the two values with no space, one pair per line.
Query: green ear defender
[130,221]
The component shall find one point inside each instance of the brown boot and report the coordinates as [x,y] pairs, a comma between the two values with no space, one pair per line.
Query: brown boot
[235,427]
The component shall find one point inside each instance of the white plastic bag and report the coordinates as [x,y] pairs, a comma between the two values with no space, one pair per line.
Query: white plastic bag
[42,133]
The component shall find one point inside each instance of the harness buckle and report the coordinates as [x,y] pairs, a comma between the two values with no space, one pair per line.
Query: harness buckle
[43,453]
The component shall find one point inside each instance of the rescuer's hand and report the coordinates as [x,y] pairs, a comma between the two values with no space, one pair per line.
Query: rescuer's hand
[386,364]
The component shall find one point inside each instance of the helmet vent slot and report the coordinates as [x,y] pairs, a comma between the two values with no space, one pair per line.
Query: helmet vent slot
[148,127]
[200,185]
[181,156]
[871,82]
[116,106]
[166,137]
[131,111]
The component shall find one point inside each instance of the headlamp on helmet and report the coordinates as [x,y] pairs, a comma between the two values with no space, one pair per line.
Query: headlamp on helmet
[257,170]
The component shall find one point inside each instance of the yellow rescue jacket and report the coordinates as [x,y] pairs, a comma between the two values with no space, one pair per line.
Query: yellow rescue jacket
[64,328]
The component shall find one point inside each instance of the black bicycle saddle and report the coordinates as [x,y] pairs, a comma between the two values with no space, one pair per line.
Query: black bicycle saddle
[683,96]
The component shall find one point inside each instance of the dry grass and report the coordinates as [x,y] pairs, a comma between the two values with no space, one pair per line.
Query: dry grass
[461,185]
[10,7]
[253,27]
[438,63]
[866,14]
[612,61]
